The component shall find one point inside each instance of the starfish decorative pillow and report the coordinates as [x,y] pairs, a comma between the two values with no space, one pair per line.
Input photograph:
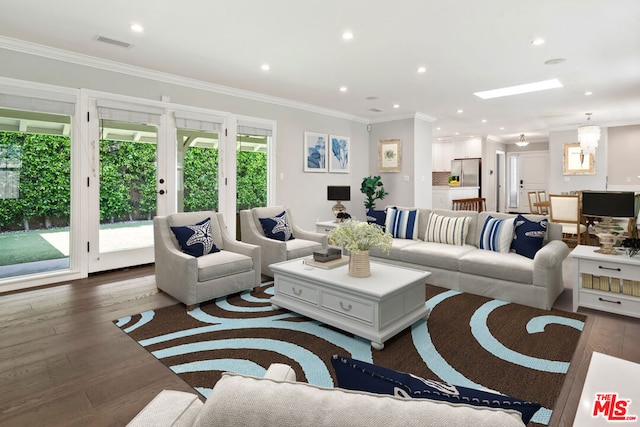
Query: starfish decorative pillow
[196,240]
[277,227]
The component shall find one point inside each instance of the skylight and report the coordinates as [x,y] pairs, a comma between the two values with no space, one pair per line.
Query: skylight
[517,90]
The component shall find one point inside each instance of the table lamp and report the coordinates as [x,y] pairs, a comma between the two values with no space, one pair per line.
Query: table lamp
[339,194]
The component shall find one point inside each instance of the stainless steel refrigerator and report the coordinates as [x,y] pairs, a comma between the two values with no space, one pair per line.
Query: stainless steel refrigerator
[468,171]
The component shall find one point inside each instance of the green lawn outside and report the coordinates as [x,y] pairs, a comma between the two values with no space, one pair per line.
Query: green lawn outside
[26,246]
[17,247]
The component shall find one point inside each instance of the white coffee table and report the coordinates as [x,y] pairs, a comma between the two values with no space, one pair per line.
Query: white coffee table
[376,307]
[607,377]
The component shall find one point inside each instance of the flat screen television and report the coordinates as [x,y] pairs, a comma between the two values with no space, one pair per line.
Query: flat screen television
[615,204]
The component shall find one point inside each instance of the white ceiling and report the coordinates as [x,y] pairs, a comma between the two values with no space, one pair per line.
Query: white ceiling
[465,45]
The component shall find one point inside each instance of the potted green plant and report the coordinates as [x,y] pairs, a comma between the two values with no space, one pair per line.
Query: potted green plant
[358,237]
[373,189]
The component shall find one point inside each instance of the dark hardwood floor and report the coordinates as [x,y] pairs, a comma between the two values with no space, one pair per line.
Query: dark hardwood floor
[63,361]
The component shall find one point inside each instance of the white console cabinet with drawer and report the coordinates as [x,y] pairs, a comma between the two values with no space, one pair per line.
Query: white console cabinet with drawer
[606,282]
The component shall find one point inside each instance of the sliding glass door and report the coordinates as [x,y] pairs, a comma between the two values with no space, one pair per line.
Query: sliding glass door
[124,183]
[198,156]
[253,147]
[83,173]
[251,166]
[35,192]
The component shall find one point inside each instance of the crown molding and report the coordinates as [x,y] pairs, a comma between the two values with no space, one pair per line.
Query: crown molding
[414,116]
[425,117]
[495,138]
[135,71]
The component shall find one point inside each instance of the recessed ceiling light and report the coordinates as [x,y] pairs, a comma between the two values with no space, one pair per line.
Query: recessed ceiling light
[537,42]
[343,89]
[517,90]
[422,69]
[484,120]
[265,67]
[137,28]
[588,93]
[396,105]
[501,127]
[438,128]
[457,133]
[347,35]
[460,111]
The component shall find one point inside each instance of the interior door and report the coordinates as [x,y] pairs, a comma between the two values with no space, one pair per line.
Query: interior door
[529,172]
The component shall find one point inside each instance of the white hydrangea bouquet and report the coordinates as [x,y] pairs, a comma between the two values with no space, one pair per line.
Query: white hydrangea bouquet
[360,236]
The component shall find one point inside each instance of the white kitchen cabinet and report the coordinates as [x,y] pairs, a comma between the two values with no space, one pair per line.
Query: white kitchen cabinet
[442,154]
[467,149]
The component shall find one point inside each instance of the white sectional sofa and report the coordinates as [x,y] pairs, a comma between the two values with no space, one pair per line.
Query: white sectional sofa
[277,400]
[509,276]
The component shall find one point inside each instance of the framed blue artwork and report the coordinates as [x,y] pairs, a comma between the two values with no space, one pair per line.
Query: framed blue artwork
[315,152]
[339,153]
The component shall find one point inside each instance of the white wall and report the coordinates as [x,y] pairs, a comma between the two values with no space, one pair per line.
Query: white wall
[560,183]
[490,172]
[623,160]
[401,192]
[422,164]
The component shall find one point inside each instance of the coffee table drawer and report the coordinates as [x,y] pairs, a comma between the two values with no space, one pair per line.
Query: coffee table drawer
[347,306]
[298,291]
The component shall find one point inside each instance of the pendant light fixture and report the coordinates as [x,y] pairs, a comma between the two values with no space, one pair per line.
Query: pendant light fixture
[589,135]
[522,142]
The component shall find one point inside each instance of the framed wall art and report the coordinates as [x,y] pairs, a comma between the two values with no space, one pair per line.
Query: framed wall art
[389,155]
[577,162]
[315,152]
[339,153]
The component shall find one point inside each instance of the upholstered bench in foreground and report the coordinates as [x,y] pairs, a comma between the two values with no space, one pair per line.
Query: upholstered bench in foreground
[277,400]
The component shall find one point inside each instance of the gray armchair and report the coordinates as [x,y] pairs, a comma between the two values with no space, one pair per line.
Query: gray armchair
[192,280]
[303,244]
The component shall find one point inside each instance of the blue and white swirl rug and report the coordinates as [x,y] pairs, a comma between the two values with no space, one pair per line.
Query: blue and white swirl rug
[468,340]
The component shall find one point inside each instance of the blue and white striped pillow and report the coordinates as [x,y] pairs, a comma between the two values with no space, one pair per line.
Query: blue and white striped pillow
[402,223]
[496,235]
[451,230]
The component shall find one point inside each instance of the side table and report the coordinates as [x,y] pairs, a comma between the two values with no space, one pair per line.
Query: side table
[325,227]
[606,282]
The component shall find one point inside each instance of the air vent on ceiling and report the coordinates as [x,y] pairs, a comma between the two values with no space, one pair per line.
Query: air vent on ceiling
[375,110]
[114,42]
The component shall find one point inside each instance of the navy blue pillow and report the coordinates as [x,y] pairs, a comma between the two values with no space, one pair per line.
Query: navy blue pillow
[378,217]
[277,227]
[196,240]
[528,236]
[361,376]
